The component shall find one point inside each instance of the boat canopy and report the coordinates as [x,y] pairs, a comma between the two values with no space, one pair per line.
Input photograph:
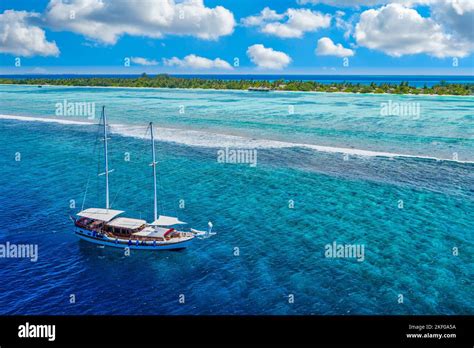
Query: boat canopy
[123,222]
[100,214]
[154,232]
[164,220]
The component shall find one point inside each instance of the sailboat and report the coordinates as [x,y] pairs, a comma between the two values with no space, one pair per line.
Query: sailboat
[106,227]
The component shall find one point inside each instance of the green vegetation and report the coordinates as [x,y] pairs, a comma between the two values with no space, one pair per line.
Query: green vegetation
[167,81]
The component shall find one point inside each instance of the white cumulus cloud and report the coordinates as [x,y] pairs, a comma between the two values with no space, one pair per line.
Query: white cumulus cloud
[265,15]
[457,4]
[143,61]
[20,36]
[326,47]
[367,3]
[106,20]
[456,16]
[342,24]
[397,31]
[195,62]
[294,23]
[268,58]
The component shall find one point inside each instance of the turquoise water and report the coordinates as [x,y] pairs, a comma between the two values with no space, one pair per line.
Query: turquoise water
[445,125]
[352,200]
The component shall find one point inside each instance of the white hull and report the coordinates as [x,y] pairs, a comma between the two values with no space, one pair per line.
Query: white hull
[122,243]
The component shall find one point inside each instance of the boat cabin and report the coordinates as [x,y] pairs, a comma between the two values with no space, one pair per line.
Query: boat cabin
[106,221]
[123,226]
[89,224]
[93,219]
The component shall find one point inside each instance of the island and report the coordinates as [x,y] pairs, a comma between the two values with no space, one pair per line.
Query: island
[255,85]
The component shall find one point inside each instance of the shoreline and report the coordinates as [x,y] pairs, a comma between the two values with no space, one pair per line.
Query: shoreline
[239,90]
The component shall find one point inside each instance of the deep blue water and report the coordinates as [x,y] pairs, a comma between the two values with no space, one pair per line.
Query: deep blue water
[408,251]
[414,80]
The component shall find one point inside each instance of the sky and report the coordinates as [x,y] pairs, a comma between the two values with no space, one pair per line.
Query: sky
[380,37]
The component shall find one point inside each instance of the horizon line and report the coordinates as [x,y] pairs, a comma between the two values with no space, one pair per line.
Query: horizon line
[230,74]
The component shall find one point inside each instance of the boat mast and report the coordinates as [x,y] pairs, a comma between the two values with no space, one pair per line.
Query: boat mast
[153,164]
[107,205]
